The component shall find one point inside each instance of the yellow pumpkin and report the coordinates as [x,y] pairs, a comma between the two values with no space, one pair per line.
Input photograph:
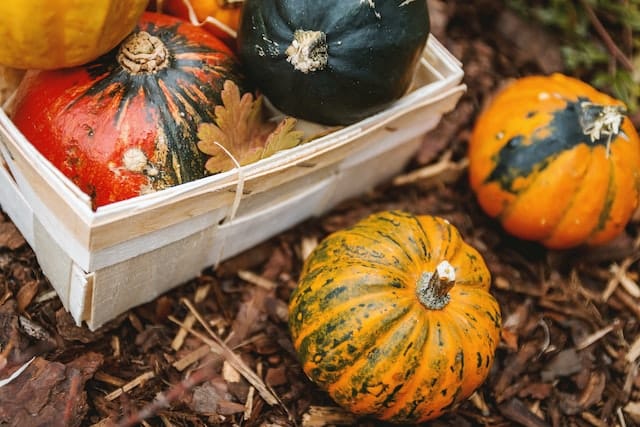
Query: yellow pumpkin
[40,34]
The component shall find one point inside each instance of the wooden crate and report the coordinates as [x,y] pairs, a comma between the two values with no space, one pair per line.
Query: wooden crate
[103,262]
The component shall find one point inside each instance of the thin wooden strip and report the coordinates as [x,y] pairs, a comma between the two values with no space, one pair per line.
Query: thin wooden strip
[191,358]
[255,279]
[218,346]
[139,380]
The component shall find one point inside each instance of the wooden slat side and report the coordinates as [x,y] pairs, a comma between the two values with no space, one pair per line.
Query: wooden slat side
[38,183]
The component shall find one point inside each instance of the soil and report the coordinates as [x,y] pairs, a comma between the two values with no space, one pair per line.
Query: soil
[570,344]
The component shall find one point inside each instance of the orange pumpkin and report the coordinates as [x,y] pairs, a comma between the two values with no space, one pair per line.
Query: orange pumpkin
[222,16]
[556,161]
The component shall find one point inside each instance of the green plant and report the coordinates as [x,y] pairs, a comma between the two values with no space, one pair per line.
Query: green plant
[598,39]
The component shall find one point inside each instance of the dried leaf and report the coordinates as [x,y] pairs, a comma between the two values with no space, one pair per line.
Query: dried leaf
[26,294]
[10,236]
[283,137]
[241,133]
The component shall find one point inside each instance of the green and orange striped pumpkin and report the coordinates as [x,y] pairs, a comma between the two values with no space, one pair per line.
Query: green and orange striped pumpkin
[393,317]
[556,161]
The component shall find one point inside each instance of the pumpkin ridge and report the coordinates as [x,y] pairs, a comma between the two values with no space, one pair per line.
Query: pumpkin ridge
[422,238]
[392,406]
[602,223]
[352,250]
[450,242]
[558,226]
[362,339]
[382,341]
[311,326]
[187,166]
[411,385]
[433,376]
[507,210]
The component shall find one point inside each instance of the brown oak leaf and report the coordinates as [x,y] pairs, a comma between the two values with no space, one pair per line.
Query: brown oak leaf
[242,132]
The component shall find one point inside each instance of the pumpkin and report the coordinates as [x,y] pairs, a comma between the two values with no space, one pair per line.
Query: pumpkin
[43,35]
[393,317]
[334,63]
[556,161]
[126,124]
[221,17]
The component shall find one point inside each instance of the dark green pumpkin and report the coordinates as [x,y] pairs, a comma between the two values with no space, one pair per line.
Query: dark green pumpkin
[363,54]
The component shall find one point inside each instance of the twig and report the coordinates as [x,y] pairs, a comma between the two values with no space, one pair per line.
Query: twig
[254,279]
[200,295]
[163,400]
[606,38]
[191,358]
[75,387]
[443,166]
[597,335]
[218,345]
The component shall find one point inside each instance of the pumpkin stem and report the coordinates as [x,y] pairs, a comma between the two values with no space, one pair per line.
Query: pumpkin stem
[600,120]
[433,287]
[143,53]
[308,51]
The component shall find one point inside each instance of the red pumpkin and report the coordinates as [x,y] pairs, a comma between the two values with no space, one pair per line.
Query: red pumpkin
[126,124]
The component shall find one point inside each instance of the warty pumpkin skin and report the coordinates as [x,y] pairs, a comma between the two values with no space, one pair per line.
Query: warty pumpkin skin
[335,61]
[535,167]
[40,34]
[126,124]
[393,317]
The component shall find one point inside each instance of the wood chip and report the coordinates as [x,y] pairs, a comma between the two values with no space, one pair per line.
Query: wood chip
[218,345]
[307,245]
[444,170]
[191,358]
[596,336]
[249,403]
[320,416]
[136,382]
[257,280]
[109,379]
[26,294]
[516,410]
[178,339]
[10,236]
[634,351]
[229,373]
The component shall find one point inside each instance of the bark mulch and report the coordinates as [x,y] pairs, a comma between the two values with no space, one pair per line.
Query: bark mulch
[216,350]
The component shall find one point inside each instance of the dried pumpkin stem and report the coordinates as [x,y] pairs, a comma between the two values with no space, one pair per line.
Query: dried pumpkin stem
[142,53]
[598,121]
[433,287]
[308,51]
